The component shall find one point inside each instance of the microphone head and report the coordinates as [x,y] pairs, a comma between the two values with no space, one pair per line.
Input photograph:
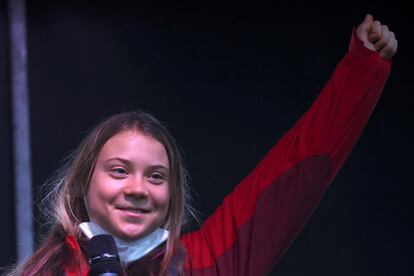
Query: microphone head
[103,255]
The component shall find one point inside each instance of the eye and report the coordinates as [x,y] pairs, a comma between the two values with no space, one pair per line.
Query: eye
[156,178]
[118,172]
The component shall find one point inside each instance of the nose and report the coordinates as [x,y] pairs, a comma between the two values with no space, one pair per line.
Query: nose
[136,187]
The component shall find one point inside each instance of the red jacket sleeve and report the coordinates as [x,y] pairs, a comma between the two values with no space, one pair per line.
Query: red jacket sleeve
[257,222]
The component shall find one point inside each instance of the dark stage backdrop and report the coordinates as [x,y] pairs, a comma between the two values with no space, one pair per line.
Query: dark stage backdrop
[7,236]
[228,80]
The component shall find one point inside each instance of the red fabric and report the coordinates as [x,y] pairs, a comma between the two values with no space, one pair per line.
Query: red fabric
[329,129]
[72,243]
[77,266]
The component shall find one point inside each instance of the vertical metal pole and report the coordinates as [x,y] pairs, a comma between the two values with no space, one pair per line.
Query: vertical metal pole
[21,129]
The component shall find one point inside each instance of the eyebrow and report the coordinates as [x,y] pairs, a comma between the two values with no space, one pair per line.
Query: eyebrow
[122,160]
[130,164]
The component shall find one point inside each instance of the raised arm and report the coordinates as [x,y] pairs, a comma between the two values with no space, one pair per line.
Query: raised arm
[259,220]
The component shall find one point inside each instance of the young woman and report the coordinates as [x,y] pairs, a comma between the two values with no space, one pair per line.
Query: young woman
[127,179]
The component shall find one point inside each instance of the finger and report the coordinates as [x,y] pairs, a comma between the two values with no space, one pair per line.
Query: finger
[363,30]
[391,48]
[384,39]
[375,33]
[365,27]
[366,24]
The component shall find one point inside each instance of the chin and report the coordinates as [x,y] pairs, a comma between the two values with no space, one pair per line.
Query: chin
[133,235]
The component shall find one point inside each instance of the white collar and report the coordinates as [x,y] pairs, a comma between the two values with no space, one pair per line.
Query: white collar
[128,251]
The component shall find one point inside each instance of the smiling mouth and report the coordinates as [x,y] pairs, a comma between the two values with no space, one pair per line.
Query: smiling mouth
[134,210]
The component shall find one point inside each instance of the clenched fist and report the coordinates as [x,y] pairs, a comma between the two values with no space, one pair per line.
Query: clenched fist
[377,37]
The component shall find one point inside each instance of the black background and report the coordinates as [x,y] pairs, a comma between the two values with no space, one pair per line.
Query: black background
[228,79]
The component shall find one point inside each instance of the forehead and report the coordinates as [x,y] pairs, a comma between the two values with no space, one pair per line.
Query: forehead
[133,144]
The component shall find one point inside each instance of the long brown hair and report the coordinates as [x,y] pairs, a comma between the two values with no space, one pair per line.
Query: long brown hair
[65,202]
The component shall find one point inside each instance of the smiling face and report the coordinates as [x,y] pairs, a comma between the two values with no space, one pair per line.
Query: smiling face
[129,194]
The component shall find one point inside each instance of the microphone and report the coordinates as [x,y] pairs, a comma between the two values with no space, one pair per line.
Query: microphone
[103,256]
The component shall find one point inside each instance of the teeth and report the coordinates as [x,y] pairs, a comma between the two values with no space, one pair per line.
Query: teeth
[135,211]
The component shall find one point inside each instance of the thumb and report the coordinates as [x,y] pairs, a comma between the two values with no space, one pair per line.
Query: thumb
[365,26]
[363,30]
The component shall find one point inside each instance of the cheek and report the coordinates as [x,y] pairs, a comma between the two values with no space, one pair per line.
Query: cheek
[92,194]
[162,199]
[97,194]
[92,202]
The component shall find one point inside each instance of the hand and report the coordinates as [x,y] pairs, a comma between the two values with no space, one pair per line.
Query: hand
[377,37]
